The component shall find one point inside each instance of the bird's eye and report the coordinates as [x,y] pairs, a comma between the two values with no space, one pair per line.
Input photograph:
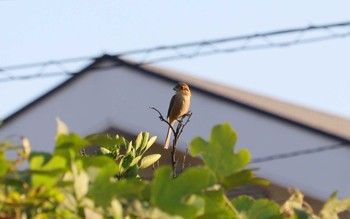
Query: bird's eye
[182,87]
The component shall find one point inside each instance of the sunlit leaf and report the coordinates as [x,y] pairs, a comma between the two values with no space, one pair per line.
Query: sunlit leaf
[49,173]
[81,182]
[295,201]
[145,136]
[26,147]
[334,206]
[149,160]
[150,142]
[116,209]
[129,148]
[218,153]
[138,141]
[135,160]
[105,150]
[38,159]
[62,128]
[91,214]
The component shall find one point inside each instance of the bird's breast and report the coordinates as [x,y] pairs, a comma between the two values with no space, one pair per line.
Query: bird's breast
[181,106]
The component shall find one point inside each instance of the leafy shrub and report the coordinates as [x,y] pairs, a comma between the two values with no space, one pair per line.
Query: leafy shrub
[66,184]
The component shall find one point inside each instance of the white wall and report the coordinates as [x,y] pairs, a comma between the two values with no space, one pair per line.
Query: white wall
[121,97]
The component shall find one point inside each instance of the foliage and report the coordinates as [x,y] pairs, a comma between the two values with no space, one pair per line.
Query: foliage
[128,155]
[67,184]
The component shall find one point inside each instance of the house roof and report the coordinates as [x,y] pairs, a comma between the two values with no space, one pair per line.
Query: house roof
[299,115]
[326,124]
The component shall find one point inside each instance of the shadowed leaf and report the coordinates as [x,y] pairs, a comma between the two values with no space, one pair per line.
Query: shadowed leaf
[172,195]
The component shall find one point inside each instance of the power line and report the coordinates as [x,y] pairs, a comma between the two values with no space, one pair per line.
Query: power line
[39,64]
[195,49]
[299,153]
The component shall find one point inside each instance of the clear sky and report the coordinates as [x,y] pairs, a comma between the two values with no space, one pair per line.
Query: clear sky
[313,75]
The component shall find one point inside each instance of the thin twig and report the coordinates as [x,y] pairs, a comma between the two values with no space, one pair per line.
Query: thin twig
[188,115]
[184,159]
[179,129]
[162,118]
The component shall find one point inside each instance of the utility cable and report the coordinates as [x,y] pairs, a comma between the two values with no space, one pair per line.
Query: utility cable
[194,49]
[299,153]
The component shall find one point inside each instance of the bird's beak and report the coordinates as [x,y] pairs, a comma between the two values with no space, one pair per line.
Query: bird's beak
[176,88]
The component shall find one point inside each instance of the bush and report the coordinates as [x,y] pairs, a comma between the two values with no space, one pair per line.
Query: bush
[69,184]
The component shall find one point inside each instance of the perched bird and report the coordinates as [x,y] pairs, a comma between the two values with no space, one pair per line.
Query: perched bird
[178,107]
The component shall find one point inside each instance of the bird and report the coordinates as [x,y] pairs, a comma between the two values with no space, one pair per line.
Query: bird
[178,107]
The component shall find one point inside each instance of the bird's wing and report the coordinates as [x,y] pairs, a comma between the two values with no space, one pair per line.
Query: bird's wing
[171,105]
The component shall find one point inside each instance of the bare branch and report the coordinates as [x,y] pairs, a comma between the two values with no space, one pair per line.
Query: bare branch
[162,119]
[182,122]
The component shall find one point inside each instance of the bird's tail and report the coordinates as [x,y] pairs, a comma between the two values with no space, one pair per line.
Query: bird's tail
[167,140]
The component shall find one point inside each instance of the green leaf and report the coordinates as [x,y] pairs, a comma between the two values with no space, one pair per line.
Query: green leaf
[302,214]
[62,128]
[3,167]
[145,136]
[149,160]
[93,165]
[131,172]
[257,209]
[172,195]
[242,178]
[127,161]
[138,141]
[38,159]
[105,141]
[105,150]
[218,153]
[215,206]
[132,189]
[81,183]
[295,201]
[71,141]
[116,209]
[101,189]
[49,173]
[135,160]
[26,147]
[150,142]
[129,148]
[333,207]
[243,203]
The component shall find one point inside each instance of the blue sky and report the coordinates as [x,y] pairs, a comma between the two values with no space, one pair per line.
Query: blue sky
[313,75]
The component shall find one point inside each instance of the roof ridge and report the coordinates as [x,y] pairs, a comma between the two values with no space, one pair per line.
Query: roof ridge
[326,123]
[323,121]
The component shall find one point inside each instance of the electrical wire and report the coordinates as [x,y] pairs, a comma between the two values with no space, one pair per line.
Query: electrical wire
[297,153]
[194,49]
